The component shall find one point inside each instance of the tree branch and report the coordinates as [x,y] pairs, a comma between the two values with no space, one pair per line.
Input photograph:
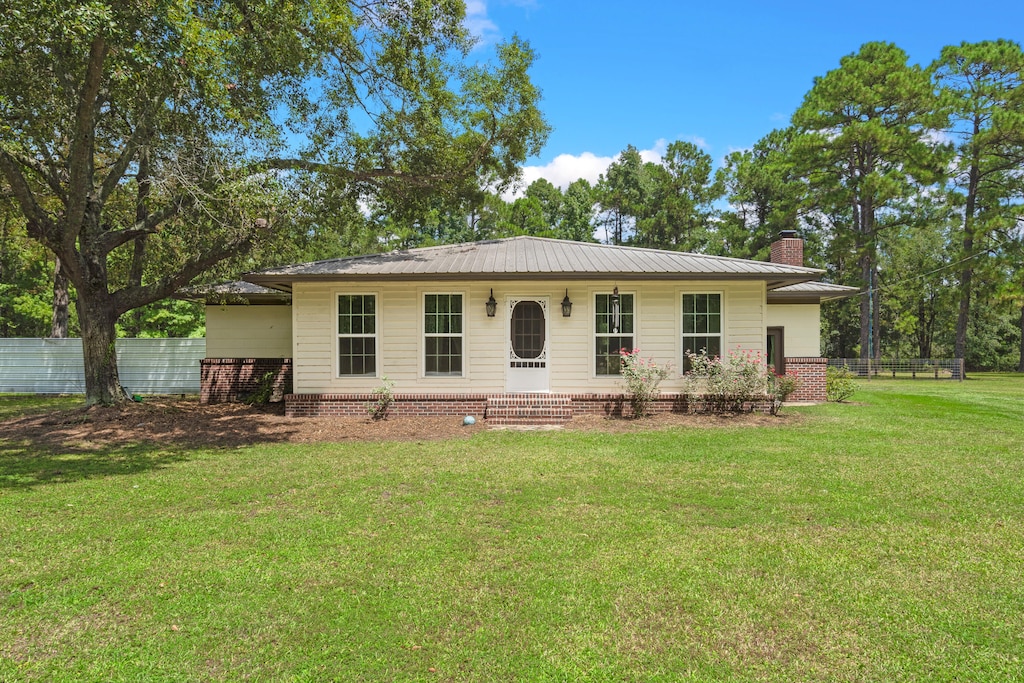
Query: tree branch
[40,225]
[133,297]
[348,174]
[80,157]
[111,240]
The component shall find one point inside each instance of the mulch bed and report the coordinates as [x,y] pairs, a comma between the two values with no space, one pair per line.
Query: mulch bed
[184,422]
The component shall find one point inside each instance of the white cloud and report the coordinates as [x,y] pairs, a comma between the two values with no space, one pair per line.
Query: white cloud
[478,23]
[565,168]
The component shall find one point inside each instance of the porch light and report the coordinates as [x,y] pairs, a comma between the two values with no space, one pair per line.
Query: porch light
[492,305]
[566,305]
[615,310]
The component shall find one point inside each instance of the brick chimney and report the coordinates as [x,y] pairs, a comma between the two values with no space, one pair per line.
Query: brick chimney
[788,249]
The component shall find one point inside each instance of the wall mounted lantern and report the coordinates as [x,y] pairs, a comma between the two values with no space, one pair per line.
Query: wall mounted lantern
[566,305]
[492,305]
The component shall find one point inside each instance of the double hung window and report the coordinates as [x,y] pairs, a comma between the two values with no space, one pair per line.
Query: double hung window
[442,332]
[357,335]
[614,324]
[702,326]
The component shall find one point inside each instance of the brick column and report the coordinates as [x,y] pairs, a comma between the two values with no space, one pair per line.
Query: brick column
[810,377]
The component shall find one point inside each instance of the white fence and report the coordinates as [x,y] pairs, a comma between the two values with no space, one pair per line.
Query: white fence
[145,366]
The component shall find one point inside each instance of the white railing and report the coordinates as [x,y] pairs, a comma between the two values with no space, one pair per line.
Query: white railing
[145,366]
[911,368]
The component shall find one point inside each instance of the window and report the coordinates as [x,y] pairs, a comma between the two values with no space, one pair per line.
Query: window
[357,335]
[442,331]
[613,330]
[702,325]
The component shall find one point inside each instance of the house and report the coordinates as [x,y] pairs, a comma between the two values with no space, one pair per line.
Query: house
[524,326]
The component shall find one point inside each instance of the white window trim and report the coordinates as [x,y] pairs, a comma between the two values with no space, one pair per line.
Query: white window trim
[680,336]
[336,348]
[423,294]
[591,360]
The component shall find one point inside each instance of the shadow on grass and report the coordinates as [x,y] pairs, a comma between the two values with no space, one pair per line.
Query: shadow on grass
[24,466]
[69,445]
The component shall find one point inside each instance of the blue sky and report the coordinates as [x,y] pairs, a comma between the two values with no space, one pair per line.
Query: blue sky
[719,74]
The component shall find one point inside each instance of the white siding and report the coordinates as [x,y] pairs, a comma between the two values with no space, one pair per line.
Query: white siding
[802,323]
[571,340]
[252,331]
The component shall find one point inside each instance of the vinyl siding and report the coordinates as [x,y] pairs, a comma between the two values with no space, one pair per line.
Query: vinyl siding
[571,340]
[802,323]
[254,331]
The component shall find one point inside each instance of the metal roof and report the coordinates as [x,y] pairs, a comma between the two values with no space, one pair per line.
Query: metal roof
[534,258]
[233,292]
[810,291]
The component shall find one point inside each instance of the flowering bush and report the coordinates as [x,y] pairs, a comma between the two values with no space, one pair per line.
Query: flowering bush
[728,383]
[642,377]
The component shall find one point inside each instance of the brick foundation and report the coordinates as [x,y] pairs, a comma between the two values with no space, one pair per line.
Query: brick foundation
[224,380]
[810,378]
[496,408]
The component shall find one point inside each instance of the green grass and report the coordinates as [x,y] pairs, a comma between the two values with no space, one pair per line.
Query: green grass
[877,541]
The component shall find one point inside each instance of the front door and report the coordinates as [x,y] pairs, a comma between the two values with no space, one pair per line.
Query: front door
[527,345]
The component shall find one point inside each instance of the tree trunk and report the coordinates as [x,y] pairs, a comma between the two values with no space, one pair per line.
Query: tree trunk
[963,317]
[97,315]
[868,336]
[59,322]
[1020,365]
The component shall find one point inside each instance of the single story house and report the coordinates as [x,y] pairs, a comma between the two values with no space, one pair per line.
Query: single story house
[524,327]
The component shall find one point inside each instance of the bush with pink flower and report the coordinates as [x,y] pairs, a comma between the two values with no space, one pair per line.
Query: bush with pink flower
[642,377]
[730,383]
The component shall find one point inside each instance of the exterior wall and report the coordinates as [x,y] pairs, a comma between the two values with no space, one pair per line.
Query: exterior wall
[571,340]
[802,327]
[810,377]
[224,380]
[253,331]
[458,405]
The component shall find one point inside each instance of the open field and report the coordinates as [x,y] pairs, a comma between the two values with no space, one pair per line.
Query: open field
[875,541]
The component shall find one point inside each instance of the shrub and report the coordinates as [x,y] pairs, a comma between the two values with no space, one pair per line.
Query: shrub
[839,384]
[263,392]
[780,387]
[727,384]
[642,377]
[378,409]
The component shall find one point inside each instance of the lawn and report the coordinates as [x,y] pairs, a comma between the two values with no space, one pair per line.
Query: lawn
[874,541]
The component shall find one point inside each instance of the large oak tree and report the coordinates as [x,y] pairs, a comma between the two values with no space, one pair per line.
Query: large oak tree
[146,140]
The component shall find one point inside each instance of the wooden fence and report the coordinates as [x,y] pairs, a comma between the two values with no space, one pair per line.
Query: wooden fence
[145,366]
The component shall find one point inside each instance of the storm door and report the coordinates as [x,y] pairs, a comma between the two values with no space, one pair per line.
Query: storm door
[527,345]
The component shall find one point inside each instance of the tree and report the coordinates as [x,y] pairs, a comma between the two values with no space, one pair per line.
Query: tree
[156,135]
[680,192]
[550,198]
[983,83]
[621,193]
[863,146]
[764,196]
[576,213]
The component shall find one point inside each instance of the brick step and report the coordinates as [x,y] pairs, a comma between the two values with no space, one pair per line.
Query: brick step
[528,409]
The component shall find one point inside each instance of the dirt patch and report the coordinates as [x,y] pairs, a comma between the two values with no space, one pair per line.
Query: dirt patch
[185,422]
